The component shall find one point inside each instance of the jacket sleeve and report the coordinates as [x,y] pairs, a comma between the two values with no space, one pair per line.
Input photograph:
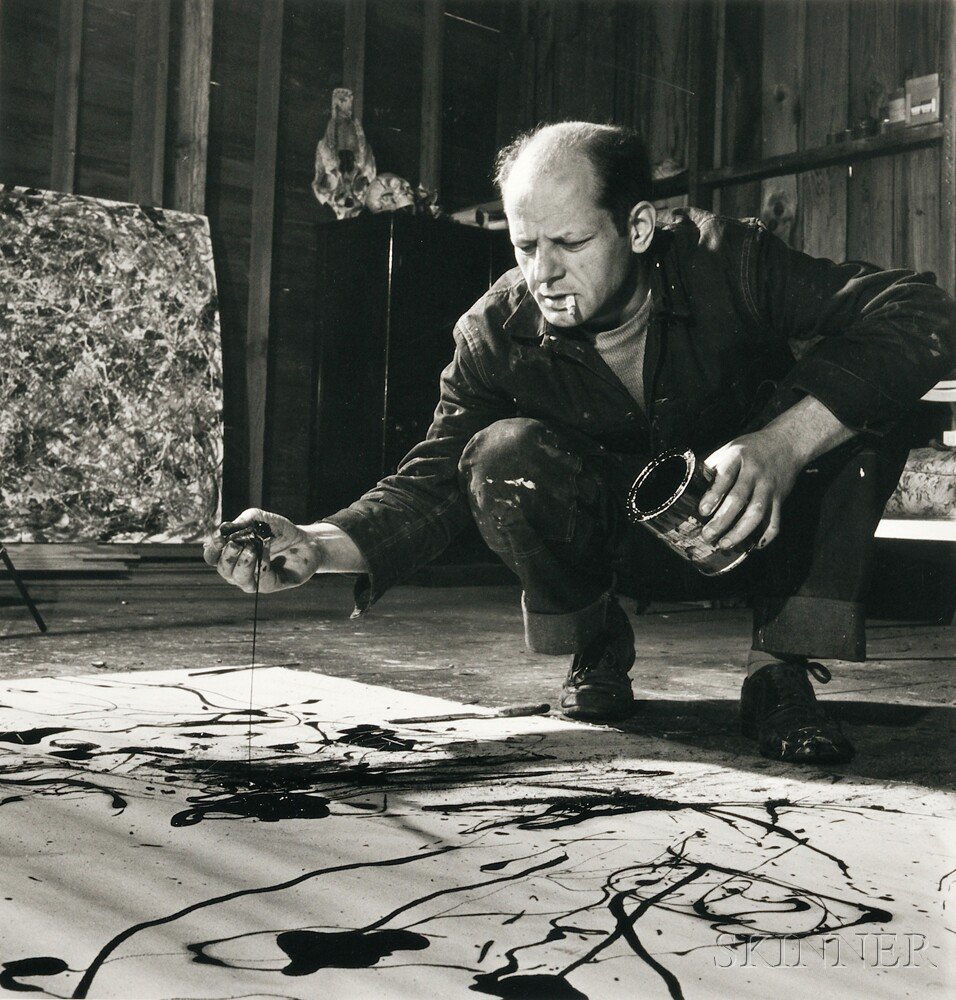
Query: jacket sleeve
[875,339]
[408,518]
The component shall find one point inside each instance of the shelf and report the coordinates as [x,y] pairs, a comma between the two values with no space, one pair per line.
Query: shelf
[923,529]
[852,151]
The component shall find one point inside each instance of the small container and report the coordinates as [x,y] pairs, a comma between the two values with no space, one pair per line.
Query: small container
[665,499]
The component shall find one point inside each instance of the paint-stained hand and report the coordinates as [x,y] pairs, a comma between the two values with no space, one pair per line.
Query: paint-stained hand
[756,472]
[290,557]
[754,475]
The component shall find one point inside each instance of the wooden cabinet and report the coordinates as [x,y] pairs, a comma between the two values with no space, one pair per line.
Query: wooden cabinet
[390,288]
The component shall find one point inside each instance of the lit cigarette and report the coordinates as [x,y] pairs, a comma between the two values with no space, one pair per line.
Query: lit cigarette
[570,306]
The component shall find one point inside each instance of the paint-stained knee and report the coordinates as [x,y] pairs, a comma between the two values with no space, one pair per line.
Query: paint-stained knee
[513,449]
[516,474]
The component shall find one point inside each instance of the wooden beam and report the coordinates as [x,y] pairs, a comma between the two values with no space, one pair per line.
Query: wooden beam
[821,194]
[701,68]
[720,60]
[783,53]
[947,193]
[66,95]
[260,251]
[353,54]
[192,133]
[429,173]
[3,165]
[872,78]
[150,77]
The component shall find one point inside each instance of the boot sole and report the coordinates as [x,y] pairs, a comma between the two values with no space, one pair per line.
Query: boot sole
[603,713]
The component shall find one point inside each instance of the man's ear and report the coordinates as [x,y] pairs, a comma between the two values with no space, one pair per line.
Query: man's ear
[640,226]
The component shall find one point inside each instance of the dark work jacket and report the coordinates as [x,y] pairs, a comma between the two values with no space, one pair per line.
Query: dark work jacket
[733,308]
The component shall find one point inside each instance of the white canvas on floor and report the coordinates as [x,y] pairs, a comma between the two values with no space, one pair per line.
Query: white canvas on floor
[154,847]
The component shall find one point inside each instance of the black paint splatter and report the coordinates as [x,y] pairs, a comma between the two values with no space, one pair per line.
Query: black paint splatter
[269,806]
[44,966]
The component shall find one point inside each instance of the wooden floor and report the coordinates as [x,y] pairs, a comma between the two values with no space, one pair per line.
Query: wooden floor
[465,644]
[322,843]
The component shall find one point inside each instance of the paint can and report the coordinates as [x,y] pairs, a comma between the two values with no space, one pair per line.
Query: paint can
[665,499]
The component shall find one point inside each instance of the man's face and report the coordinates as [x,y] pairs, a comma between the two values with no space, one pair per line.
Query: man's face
[567,247]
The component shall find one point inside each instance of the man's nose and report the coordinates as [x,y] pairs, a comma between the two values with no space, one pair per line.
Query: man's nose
[548,266]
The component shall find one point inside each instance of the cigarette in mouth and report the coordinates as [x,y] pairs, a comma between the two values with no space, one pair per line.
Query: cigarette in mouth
[570,306]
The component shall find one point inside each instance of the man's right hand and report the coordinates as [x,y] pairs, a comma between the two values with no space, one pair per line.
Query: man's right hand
[291,556]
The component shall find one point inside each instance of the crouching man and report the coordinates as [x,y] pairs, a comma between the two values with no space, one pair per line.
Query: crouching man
[621,333]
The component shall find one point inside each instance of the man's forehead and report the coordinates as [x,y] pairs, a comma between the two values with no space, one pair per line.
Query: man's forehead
[551,168]
[567,187]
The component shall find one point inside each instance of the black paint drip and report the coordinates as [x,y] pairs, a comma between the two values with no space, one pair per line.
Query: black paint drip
[310,951]
[534,986]
[44,966]
[30,737]
[375,738]
[267,805]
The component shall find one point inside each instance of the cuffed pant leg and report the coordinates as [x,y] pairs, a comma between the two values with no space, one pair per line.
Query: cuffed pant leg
[817,570]
[546,501]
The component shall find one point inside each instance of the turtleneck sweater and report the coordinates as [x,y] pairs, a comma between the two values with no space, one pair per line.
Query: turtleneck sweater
[622,350]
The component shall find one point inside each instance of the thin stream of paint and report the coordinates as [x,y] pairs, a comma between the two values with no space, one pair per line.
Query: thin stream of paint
[252,665]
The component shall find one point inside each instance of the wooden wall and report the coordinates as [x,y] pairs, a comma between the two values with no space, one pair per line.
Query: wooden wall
[113,98]
[826,66]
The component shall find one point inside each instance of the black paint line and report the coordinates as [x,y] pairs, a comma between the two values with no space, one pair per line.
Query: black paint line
[517,876]
[388,917]
[57,784]
[83,987]
[626,923]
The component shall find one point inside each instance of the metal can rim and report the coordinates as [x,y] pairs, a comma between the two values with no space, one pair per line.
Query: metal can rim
[634,512]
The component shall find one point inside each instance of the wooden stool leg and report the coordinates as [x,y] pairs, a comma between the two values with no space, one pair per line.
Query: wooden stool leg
[8,562]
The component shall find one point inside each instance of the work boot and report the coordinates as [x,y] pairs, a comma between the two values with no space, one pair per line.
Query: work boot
[779,709]
[597,687]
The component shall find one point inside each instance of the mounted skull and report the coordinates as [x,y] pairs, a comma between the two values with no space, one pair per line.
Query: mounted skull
[389,193]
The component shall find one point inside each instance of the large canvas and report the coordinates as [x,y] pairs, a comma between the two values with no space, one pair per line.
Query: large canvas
[111,378]
[161,840]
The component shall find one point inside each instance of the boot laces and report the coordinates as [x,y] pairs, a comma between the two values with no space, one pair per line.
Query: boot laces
[792,690]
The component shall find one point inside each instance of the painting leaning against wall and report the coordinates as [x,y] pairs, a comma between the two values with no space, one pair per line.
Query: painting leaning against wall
[111,379]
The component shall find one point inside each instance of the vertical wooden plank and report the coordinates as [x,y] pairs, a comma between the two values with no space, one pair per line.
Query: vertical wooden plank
[3,124]
[148,141]
[720,57]
[701,102]
[821,194]
[353,54]
[664,59]
[783,49]
[544,63]
[741,131]
[516,71]
[260,249]
[192,132]
[429,173]
[567,72]
[872,79]
[626,52]
[916,228]
[66,95]
[947,159]
[598,19]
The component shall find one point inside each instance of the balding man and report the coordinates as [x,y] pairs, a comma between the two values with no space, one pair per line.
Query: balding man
[623,332]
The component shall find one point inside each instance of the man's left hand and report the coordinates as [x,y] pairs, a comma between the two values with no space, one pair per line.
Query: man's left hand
[756,472]
[754,475]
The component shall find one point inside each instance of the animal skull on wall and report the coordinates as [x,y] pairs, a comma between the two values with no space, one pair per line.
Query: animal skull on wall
[389,193]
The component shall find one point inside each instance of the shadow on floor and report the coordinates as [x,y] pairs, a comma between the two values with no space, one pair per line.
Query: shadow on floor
[894,742]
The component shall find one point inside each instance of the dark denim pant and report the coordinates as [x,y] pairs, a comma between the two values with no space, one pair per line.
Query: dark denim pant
[550,503]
